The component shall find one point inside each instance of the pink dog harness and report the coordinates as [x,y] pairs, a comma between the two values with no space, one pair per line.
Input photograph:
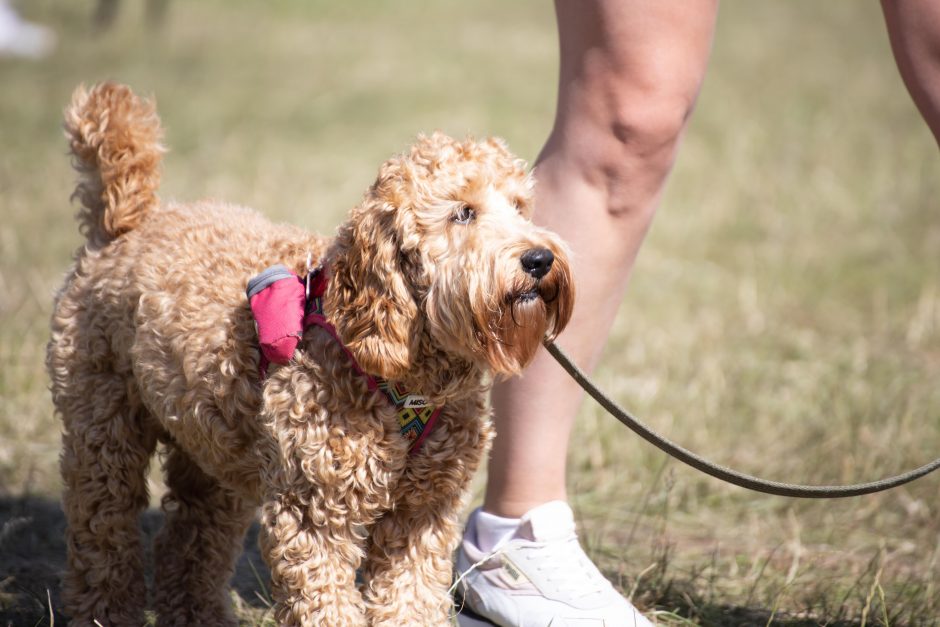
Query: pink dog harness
[284,305]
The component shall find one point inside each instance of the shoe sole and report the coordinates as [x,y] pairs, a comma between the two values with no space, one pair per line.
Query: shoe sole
[468,618]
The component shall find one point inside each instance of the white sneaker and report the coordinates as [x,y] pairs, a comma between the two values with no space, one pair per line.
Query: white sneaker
[539,577]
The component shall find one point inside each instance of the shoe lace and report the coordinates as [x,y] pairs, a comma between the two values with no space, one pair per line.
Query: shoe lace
[462,576]
[564,565]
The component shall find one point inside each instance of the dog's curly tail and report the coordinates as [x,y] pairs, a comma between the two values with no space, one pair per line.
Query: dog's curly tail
[115,139]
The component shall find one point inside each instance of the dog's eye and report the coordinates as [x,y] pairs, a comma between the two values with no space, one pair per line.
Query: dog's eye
[465,215]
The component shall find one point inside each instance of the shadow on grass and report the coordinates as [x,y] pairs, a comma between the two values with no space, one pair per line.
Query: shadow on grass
[32,559]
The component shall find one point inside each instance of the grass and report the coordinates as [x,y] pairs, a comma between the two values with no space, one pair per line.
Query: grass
[783,318]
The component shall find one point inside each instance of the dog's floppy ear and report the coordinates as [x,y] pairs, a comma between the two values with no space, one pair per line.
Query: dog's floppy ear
[370,300]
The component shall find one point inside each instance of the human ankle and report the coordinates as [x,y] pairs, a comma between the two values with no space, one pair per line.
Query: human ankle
[507,507]
[492,530]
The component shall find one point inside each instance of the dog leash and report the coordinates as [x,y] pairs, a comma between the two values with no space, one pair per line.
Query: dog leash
[721,472]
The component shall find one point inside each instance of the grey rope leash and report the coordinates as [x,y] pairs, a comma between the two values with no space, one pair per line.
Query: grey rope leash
[721,472]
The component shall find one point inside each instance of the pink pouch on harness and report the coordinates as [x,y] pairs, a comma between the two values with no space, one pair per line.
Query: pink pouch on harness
[277,297]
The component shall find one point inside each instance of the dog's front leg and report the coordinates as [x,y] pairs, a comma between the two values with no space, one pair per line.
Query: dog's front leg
[409,566]
[311,524]
[313,563]
[329,469]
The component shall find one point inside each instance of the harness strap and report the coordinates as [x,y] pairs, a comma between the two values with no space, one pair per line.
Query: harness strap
[284,305]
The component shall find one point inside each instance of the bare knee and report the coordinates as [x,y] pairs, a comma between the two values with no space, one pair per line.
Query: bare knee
[645,131]
[630,74]
[621,135]
[623,105]
[648,126]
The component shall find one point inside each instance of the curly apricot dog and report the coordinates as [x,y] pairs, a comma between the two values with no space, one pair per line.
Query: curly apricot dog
[437,281]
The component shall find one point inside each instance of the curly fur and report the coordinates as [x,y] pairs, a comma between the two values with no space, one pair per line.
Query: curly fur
[153,342]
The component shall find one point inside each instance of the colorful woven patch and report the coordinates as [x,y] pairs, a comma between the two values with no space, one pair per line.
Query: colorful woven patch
[415,415]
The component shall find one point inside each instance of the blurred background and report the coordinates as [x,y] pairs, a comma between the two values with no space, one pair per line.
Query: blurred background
[784,315]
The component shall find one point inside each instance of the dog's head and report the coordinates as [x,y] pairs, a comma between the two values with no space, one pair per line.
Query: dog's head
[442,247]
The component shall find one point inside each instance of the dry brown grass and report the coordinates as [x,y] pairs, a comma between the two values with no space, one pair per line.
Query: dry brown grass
[784,317]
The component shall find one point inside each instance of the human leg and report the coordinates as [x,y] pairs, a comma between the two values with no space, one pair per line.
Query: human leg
[914,30]
[630,72]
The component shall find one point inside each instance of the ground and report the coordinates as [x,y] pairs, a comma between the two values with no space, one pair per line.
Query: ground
[784,316]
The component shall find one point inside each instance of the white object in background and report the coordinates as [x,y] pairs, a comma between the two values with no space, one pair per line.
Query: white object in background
[19,38]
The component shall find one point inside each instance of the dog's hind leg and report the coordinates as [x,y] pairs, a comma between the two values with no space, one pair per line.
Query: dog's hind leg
[107,445]
[195,552]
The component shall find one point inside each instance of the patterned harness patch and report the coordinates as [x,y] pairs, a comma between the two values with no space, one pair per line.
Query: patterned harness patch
[416,416]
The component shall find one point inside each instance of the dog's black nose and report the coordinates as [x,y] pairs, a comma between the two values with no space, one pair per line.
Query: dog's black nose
[537,261]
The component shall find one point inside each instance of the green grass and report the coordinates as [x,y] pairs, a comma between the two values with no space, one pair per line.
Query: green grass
[783,318]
